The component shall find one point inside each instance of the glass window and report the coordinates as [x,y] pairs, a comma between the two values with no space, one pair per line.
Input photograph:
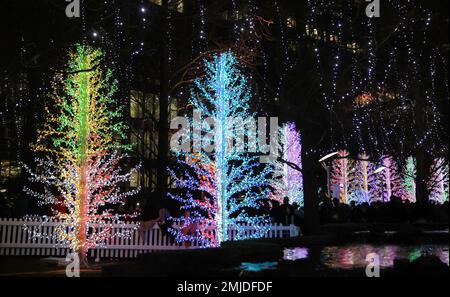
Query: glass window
[134,179]
[136,104]
[291,22]
[180,6]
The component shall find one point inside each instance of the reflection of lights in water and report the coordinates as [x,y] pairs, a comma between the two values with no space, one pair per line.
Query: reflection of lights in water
[354,256]
[361,232]
[295,254]
[348,256]
[255,267]
[415,254]
[441,253]
[390,232]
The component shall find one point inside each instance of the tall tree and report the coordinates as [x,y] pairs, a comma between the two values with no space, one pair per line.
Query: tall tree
[229,176]
[163,124]
[80,145]
[287,178]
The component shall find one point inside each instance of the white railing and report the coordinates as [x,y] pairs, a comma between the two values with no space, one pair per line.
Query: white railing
[15,240]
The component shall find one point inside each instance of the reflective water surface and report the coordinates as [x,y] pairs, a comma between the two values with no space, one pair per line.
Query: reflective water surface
[255,267]
[354,256]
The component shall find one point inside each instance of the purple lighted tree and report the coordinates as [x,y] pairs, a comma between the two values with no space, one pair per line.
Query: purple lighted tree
[287,178]
[438,183]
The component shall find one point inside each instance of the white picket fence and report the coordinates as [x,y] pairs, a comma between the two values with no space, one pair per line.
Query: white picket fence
[15,240]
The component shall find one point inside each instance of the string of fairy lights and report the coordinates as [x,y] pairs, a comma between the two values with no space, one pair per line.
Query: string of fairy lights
[285,55]
[373,130]
[365,125]
[81,141]
[227,178]
[87,183]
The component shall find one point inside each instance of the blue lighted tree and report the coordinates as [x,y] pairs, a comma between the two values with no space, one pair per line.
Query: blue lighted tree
[223,181]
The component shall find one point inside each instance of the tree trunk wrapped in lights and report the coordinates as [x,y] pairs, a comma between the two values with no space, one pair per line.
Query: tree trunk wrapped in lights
[356,180]
[382,181]
[287,178]
[340,177]
[363,184]
[81,148]
[409,180]
[393,179]
[223,185]
[438,183]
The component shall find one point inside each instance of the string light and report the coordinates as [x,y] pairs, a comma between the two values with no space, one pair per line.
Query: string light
[228,177]
[81,170]
[287,179]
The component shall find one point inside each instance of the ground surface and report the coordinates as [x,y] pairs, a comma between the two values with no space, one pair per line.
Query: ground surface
[35,266]
[226,262]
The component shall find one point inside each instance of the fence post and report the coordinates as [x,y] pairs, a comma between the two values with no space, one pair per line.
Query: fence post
[12,235]
[293,231]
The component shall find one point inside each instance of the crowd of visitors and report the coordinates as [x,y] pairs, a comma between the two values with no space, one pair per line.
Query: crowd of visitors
[331,211]
[394,211]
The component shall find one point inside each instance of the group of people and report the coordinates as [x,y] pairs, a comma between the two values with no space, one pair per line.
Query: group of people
[334,211]
[394,211]
[331,211]
[286,213]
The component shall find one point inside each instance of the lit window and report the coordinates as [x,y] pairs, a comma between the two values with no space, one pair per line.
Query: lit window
[140,179]
[151,104]
[153,174]
[173,108]
[156,109]
[180,6]
[157,2]
[146,180]
[154,145]
[291,22]
[147,143]
[365,99]
[134,140]
[136,104]
[9,169]
[238,15]
[134,179]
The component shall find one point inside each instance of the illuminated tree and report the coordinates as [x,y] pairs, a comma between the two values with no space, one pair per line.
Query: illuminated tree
[377,186]
[391,181]
[438,183]
[224,182]
[81,147]
[409,180]
[380,187]
[340,177]
[364,184]
[287,176]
